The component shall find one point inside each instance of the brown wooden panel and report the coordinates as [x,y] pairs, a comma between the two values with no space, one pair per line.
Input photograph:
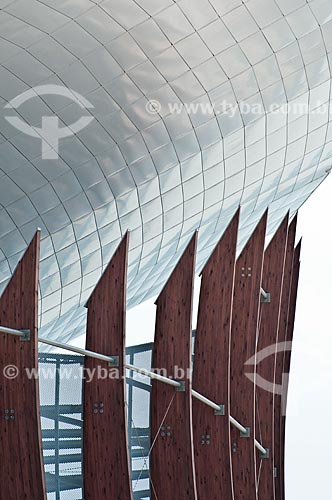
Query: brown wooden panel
[22,469]
[279,358]
[106,455]
[211,370]
[287,358]
[248,278]
[172,469]
[273,270]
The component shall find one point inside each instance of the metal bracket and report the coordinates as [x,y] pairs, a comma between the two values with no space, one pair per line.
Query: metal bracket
[26,336]
[266,454]
[245,434]
[115,363]
[266,298]
[182,386]
[98,408]
[221,410]
[275,472]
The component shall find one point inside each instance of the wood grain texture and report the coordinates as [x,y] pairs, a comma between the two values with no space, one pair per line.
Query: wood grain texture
[211,370]
[105,442]
[273,271]
[278,399]
[22,470]
[287,357]
[172,468]
[248,278]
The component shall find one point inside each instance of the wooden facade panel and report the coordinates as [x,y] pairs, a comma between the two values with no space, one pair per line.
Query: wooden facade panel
[172,470]
[272,279]
[106,456]
[279,360]
[22,470]
[287,358]
[211,370]
[248,278]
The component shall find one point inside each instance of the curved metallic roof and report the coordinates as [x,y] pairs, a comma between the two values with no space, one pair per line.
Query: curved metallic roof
[148,161]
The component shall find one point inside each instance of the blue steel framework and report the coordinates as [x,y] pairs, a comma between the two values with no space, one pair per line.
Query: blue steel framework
[62,423]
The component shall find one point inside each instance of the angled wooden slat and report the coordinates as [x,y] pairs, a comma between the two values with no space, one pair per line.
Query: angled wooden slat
[272,279]
[22,469]
[248,279]
[106,455]
[211,370]
[279,359]
[287,358]
[172,456]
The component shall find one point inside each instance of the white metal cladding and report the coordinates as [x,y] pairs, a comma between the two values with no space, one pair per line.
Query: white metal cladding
[160,174]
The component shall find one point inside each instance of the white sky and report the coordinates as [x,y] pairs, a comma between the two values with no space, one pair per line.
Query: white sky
[309,438]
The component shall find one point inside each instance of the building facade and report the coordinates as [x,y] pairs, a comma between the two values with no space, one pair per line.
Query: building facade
[141,142]
[195,107]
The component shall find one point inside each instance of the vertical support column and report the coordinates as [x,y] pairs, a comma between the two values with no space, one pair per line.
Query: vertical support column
[105,440]
[279,379]
[248,277]
[172,468]
[273,271]
[22,470]
[211,370]
[287,359]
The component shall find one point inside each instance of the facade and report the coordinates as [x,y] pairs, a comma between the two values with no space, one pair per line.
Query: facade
[203,418]
[148,161]
[141,142]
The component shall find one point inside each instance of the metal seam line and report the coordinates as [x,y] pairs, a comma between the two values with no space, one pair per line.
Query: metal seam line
[141,371]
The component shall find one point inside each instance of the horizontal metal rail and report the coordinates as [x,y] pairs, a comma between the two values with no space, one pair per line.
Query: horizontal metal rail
[238,426]
[205,400]
[265,296]
[142,371]
[155,376]
[196,395]
[10,331]
[260,448]
[77,350]
[112,360]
